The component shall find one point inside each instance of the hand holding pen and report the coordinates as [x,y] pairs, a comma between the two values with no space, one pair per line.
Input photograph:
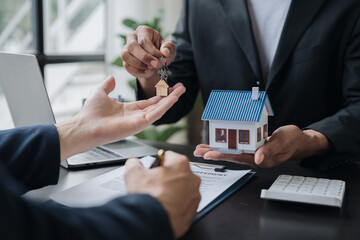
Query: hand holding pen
[159,160]
[173,184]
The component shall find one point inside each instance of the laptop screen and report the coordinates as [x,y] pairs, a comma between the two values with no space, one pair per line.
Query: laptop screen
[24,89]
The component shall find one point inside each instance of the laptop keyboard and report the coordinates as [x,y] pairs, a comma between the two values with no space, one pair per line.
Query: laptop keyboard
[95,154]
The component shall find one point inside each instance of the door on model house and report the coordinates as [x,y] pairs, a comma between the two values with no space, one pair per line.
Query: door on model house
[232,138]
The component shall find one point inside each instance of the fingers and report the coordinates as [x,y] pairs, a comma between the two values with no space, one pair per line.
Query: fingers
[201,149]
[155,112]
[168,50]
[150,40]
[281,146]
[206,153]
[175,87]
[203,146]
[151,102]
[133,49]
[173,159]
[177,91]
[213,155]
[141,51]
[130,61]
[200,152]
[146,103]
[261,154]
[108,85]
[133,169]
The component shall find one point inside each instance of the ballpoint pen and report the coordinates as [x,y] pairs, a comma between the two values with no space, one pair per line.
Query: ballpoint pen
[160,159]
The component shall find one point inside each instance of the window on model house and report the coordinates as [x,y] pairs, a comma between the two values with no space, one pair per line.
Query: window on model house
[259,134]
[220,135]
[244,137]
[266,131]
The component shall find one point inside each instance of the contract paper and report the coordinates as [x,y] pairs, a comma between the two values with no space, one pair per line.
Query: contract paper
[104,188]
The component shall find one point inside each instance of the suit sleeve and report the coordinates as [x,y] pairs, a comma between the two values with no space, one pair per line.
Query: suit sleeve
[183,70]
[31,154]
[30,157]
[343,128]
[134,216]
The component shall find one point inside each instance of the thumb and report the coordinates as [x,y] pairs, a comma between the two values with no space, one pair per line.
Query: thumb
[168,50]
[262,154]
[133,167]
[108,85]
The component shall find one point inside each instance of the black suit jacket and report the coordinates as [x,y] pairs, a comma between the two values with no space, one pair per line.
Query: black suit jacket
[314,81]
[29,158]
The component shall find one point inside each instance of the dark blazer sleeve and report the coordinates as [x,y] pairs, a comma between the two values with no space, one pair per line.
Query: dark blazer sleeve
[31,154]
[343,128]
[130,217]
[30,157]
[182,69]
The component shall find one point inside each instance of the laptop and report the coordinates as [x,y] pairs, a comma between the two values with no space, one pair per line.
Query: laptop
[29,104]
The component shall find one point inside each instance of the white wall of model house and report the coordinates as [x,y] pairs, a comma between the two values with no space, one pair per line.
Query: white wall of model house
[260,124]
[238,125]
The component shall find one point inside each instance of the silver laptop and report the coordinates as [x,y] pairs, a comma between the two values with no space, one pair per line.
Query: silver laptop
[29,104]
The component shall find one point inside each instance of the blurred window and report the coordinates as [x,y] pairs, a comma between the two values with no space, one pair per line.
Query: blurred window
[69,84]
[16,26]
[67,36]
[74,27]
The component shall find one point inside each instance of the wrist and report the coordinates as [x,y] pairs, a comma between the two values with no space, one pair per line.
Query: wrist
[313,143]
[148,85]
[73,136]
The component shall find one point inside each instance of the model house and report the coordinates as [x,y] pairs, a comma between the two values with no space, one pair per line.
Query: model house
[238,120]
[162,88]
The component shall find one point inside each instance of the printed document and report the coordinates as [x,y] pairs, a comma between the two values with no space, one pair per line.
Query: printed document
[101,189]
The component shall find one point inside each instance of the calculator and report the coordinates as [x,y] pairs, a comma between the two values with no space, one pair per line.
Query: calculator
[311,190]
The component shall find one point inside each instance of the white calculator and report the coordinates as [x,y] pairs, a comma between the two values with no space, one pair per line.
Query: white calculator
[306,190]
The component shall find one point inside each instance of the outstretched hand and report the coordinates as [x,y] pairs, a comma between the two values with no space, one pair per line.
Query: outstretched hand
[286,143]
[103,120]
[114,121]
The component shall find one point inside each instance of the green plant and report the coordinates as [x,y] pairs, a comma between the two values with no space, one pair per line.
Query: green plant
[151,133]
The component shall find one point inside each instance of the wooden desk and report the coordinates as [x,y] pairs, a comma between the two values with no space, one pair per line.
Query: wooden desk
[244,215]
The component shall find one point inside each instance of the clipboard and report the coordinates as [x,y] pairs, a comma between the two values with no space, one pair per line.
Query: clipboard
[227,193]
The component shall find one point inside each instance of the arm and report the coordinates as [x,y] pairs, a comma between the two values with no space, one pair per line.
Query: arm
[338,134]
[103,120]
[343,128]
[141,55]
[183,70]
[19,151]
[167,210]
[136,216]
[32,154]
[173,188]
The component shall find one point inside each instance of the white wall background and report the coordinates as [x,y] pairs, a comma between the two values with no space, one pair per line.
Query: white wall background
[141,10]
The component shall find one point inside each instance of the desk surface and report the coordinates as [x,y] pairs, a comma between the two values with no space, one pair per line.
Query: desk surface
[244,215]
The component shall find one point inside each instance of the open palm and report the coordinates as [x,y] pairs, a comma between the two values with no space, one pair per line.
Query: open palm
[111,121]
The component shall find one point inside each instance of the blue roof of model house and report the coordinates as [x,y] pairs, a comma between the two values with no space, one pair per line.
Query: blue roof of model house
[233,105]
